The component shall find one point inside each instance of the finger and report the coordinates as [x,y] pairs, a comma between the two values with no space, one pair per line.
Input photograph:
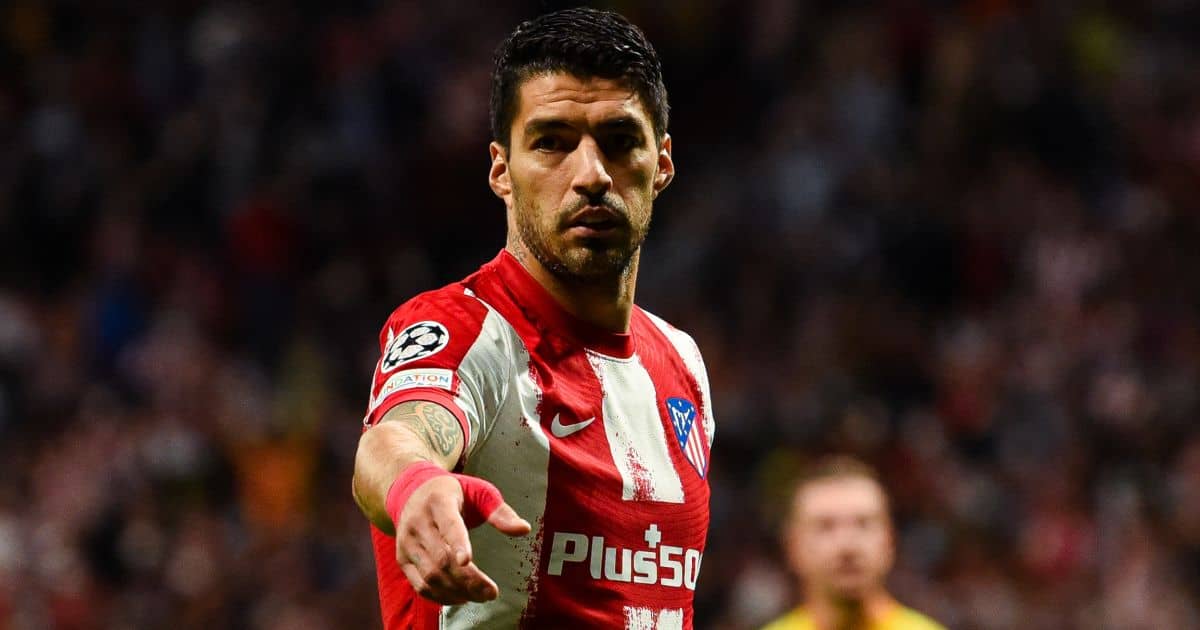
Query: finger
[452,529]
[482,587]
[427,590]
[446,567]
[410,552]
[466,576]
[506,520]
[434,548]
[438,568]
[480,499]
[430,558]
[414,578]
[453,532]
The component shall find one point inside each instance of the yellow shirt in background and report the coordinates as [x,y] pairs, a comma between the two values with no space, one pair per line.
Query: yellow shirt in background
[900,618]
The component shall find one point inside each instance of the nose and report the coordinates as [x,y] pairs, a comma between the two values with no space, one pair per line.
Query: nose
[592,179]
[845,542]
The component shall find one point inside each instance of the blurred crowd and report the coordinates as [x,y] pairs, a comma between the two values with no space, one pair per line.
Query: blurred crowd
[958,239]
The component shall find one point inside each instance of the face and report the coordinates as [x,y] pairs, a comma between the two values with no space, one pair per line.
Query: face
[580,175]
[840,536]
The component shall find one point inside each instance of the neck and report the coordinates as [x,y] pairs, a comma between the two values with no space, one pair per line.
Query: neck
[608,305]
[833,613]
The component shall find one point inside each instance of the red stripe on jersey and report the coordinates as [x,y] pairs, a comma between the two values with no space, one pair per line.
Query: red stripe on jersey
[580,465]
[673,379]
[402,608]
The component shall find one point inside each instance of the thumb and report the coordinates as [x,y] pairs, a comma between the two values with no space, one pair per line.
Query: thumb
[505,520]
[482,502]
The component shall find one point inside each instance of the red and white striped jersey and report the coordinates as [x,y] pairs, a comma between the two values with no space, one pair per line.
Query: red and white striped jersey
[600,440]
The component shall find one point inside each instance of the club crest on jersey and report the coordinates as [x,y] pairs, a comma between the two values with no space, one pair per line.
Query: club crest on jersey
[418,341]
[688,432]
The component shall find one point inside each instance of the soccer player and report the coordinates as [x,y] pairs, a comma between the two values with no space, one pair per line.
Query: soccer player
[534,396]
[839,540]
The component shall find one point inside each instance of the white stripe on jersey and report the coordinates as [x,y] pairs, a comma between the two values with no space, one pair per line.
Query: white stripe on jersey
[649,619]
[635,432]
[690,353]
[484,375]
[509,454]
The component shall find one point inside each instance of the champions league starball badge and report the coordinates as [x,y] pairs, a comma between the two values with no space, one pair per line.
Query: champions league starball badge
[415,342]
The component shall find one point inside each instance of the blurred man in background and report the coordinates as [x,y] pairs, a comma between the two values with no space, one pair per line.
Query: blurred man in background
[839,540]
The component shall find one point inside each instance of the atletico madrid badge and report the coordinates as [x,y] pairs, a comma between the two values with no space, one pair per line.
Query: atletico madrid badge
[689,433]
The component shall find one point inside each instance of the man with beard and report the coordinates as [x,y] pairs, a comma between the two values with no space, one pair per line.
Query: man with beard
[534,396]
[839,540]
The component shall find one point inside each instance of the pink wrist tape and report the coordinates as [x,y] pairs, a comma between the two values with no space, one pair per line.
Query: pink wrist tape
[406,483]
[480,497]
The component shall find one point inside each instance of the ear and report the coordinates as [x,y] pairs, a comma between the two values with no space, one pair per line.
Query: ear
[890,559]
[498,176]
[666,166]
[792,550]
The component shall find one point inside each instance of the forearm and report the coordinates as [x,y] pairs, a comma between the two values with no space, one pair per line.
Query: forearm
[412,431]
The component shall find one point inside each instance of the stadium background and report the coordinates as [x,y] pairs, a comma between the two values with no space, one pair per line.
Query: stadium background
[959,239]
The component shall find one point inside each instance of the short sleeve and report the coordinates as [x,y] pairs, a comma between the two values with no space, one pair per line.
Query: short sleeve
[701,371]
[446,347]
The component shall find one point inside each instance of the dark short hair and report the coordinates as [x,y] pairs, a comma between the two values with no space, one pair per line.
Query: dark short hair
[583,42]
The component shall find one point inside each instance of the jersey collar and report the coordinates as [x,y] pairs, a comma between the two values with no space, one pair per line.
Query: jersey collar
[530,294]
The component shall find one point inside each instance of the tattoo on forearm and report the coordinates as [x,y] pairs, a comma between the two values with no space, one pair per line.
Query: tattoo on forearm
[432,423]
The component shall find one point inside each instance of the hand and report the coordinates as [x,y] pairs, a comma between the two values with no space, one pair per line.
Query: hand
[433,548]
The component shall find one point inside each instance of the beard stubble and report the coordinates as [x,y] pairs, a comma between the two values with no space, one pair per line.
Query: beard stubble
[592,262]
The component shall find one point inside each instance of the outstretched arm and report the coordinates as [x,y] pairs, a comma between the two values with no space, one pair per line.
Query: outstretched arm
[432,546]
[413,431]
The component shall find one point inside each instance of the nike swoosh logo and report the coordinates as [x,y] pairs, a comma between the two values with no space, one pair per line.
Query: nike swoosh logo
[561,430]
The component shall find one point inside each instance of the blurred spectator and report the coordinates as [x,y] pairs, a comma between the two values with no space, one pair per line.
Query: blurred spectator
[839,539]
[955,239]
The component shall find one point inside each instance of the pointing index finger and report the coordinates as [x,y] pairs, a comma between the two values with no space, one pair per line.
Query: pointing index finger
[449,523]
[453,530]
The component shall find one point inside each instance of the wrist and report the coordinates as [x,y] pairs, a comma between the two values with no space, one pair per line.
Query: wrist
[406,483]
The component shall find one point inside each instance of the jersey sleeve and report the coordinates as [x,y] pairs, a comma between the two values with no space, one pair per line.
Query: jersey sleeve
[710,423]
[444,347]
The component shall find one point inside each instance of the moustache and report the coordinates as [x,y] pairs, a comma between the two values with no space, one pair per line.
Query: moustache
[612,203]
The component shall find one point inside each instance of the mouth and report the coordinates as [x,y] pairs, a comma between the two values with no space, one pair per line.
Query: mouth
[850,571]
[595,222]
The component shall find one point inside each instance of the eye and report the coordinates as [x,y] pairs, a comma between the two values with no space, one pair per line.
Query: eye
[547,143]
[624,142]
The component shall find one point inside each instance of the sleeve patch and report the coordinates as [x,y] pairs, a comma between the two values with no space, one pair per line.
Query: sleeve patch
[409,379]
[418,341]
